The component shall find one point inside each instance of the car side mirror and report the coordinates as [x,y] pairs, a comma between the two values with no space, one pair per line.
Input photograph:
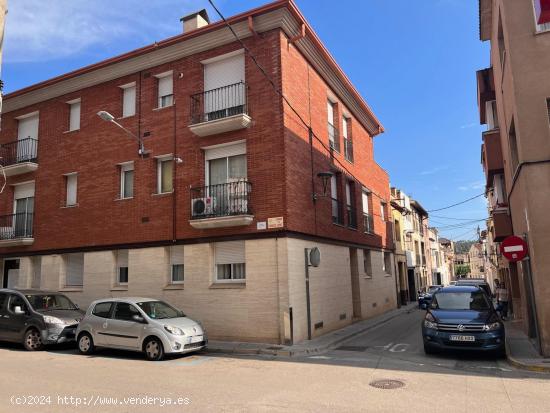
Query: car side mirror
[138,318]
[18,310]
[77,307]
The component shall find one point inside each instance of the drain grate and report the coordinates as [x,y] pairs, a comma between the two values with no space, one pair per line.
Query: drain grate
[352,348]
[387,384]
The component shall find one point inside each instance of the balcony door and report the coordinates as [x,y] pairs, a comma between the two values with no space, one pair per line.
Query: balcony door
[23,210]
[224,86]
[27,138]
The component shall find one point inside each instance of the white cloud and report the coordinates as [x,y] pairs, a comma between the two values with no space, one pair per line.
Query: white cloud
[434,170]
[477,185]
[38,30]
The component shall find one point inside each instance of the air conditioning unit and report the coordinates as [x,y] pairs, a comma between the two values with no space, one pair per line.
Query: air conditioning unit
[203,206]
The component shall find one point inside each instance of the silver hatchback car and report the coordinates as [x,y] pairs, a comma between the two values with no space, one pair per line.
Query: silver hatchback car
[139,324]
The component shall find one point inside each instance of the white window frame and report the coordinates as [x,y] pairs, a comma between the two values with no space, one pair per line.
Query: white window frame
[231,280]
[119,266]
[68,177]
[125,167]
[160,159]
[174,262]
[73,105]
[127,109]
[160,103]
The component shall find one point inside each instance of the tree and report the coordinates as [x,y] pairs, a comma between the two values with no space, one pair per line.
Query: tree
[461,270]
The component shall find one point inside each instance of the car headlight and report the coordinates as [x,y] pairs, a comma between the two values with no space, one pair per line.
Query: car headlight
[48,319]
[174,330]
[492,326]
[429,322]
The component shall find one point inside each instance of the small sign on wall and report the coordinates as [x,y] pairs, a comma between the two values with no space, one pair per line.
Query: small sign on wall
[276,222]
[261,225]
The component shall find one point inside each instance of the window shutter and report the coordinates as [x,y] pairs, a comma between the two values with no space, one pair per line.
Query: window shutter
[225,151]
[24,191]
[27,128]
[74,269]
[74,120]
[176,254]
[129,101]
[224,72]
[71,189]
[122,258]
[165,86]
[231,252]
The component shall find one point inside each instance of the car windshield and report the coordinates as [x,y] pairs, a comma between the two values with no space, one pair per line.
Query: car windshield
[159,310]
[47,302]
[475,300]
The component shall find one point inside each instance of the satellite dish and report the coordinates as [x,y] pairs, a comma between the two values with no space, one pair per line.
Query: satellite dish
[314,257]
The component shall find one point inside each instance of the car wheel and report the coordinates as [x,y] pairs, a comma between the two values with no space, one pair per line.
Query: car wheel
[85,344]
[428,349]
[154,350]
[500,353]
[33,340]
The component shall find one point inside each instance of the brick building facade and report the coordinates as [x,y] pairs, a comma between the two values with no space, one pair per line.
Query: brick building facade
[216,217]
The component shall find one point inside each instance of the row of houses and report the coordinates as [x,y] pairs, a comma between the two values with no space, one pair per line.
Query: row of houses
[178,171]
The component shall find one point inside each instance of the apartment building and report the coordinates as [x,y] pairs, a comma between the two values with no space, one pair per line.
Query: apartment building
[476,259]
[399,213]
[200,185]
[438,274]
[447,249]
[514,103]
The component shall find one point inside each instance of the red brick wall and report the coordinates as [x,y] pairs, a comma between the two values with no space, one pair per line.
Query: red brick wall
[95,150]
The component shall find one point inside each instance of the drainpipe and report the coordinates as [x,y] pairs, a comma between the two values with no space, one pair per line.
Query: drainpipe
[174,174]
[298,36]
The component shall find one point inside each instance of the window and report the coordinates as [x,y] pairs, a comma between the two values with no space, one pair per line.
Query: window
[128,99]
[3,300]
[514,156]
[165,90]
[102,310]
[368,224]
[176,264]
[27,139]
[126,312]
[348,144]
[225,170]
[548,108]
[36,263]
[230,261]
[350,204]
[337,215]
[367,263]
[387,267]
[491,114]
[127,180]
[71,189]
[383,206]
[122,267]
[333,138]
[165,169]
[74,114]
[74,270]
[501,44]
[16,301]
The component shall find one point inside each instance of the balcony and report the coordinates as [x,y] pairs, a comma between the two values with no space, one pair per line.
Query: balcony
[221,206]
[502,224]
[485,92]
[19,157]
[368,223]
[220,110]
[491,155]
[16,229]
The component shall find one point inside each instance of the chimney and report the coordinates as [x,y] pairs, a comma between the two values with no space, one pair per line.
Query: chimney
[195,20]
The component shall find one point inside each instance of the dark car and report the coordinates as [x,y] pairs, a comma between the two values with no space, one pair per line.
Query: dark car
[425,298]
[477,282]
[36,318]
[462,318]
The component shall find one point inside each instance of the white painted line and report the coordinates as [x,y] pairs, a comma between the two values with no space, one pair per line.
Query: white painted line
[513,248]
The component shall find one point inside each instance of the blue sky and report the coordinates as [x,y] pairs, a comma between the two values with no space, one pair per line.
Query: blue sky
[413,61]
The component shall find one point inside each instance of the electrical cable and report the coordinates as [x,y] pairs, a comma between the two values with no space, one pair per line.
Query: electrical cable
[458,203]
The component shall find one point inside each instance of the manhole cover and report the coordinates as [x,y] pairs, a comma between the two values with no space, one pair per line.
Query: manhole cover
[387,384]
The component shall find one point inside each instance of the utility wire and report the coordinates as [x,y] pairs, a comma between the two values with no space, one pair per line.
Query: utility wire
[458,203]
[280,93]
[461,235]
[454,219]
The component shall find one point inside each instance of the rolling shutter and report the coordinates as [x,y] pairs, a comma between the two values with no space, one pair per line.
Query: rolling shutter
[74,120]
[231,252]
[71,189]
[24,191]
[27,127]
[165,86]
[129,101]
[122,258]
[74,269]
[224,72]
[176,254]
[225,151]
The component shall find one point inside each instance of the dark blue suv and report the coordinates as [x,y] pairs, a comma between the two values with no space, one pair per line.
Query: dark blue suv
[462,318]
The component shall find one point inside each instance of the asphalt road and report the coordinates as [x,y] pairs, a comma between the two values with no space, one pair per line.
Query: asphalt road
[338,381]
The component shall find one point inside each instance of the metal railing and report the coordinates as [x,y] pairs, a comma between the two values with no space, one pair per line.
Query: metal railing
[337,212]
[221,200]
[219,103]
[348,149]
[368,223]
[333,137]
[23,150]
[352,217]
[17,225]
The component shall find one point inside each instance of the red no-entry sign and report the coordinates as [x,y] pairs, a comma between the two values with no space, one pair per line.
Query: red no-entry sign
[513,248]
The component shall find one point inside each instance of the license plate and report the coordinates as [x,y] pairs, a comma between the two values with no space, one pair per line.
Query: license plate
[462,338]
[195,339]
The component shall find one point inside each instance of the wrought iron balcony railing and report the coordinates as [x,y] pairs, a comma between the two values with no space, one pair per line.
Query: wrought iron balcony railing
[221,200]
[16,226]
[368,223]
[22,150]
[219,103]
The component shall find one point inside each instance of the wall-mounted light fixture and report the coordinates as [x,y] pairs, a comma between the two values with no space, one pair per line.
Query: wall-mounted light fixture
[325,179]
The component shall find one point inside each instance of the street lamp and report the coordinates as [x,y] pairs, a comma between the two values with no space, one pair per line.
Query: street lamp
[107,117]
[325,178]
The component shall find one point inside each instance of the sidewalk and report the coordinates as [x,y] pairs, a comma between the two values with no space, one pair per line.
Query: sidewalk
[314,346]
[521,351]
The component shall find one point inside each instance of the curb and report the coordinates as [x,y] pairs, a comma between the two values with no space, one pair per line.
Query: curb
[289,352]
[524,366]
